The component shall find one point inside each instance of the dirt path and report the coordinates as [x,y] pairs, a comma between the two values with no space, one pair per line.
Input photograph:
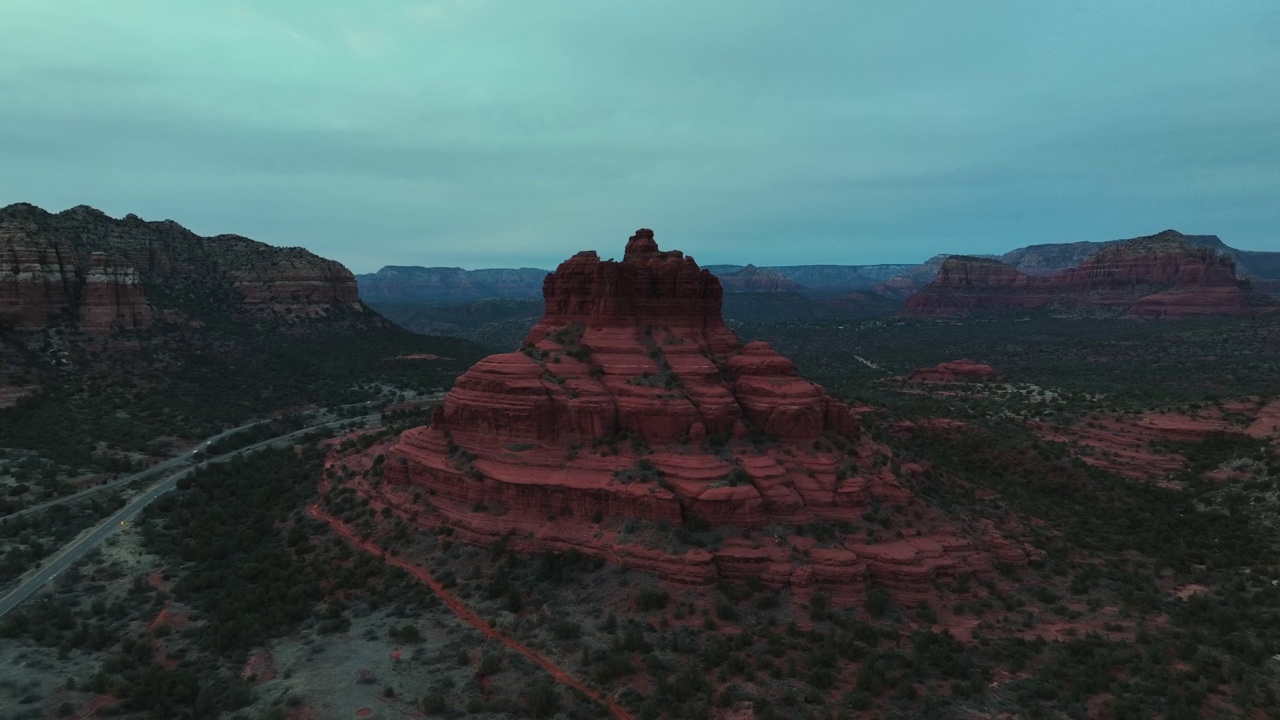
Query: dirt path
[466,614]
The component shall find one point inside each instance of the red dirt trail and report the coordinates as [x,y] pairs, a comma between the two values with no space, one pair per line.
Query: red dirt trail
[467,615]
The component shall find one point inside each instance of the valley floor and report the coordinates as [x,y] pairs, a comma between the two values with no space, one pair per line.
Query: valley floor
[1139,458]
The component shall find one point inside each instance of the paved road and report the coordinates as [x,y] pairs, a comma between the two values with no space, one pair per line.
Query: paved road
[77,548]
[157,469]
[152,471]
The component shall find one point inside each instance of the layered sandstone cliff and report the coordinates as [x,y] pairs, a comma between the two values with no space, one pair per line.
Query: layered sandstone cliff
[111,297]
[1049,259]
[43,278]
[632,401]
[1161,275]
[112,274]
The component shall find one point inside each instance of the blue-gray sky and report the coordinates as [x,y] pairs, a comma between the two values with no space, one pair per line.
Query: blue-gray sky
[482,133]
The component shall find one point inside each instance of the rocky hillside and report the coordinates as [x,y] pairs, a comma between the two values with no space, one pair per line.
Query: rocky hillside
[102,274]
[716,433]
[1051,258]
[1162,275]
[402,284]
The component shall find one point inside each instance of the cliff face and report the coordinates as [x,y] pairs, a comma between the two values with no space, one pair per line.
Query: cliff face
[286,280]
[110,274]
[964,284]
[650,286]
[401,284]
[42,278]
[909,282]
[1050,259]
[631,399]
[111,297]
[1161,275]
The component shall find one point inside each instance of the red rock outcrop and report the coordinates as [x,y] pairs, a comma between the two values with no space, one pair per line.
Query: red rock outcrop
[35,282]
[912,280]
[111,297]
[632,402]
[1051,258]
[954,371]
[42,278]
[1267,423]
[1132,446]
[101,271]
[294,282]
[1158,276]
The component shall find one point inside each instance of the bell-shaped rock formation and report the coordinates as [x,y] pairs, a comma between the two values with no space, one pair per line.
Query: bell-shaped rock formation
[631,401]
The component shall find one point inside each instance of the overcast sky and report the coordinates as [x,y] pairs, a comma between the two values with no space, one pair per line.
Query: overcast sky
[495,134]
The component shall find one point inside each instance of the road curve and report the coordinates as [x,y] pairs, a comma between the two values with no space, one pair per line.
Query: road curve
[76,549]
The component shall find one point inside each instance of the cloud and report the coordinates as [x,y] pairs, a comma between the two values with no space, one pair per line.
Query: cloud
[464,132]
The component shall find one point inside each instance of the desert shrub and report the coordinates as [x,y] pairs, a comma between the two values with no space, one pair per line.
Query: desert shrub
[489,665]
[564,629]
[878,602]
[648,600]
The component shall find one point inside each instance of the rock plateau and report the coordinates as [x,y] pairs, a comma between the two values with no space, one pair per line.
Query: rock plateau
[1162,275]
[632,414]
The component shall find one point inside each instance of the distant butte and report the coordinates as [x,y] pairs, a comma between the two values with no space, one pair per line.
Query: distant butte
[1158,276]
[632,410]
[954,372]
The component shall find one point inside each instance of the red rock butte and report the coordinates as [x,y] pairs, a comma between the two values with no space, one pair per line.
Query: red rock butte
[631,400]
[956,371]
[1158,276]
